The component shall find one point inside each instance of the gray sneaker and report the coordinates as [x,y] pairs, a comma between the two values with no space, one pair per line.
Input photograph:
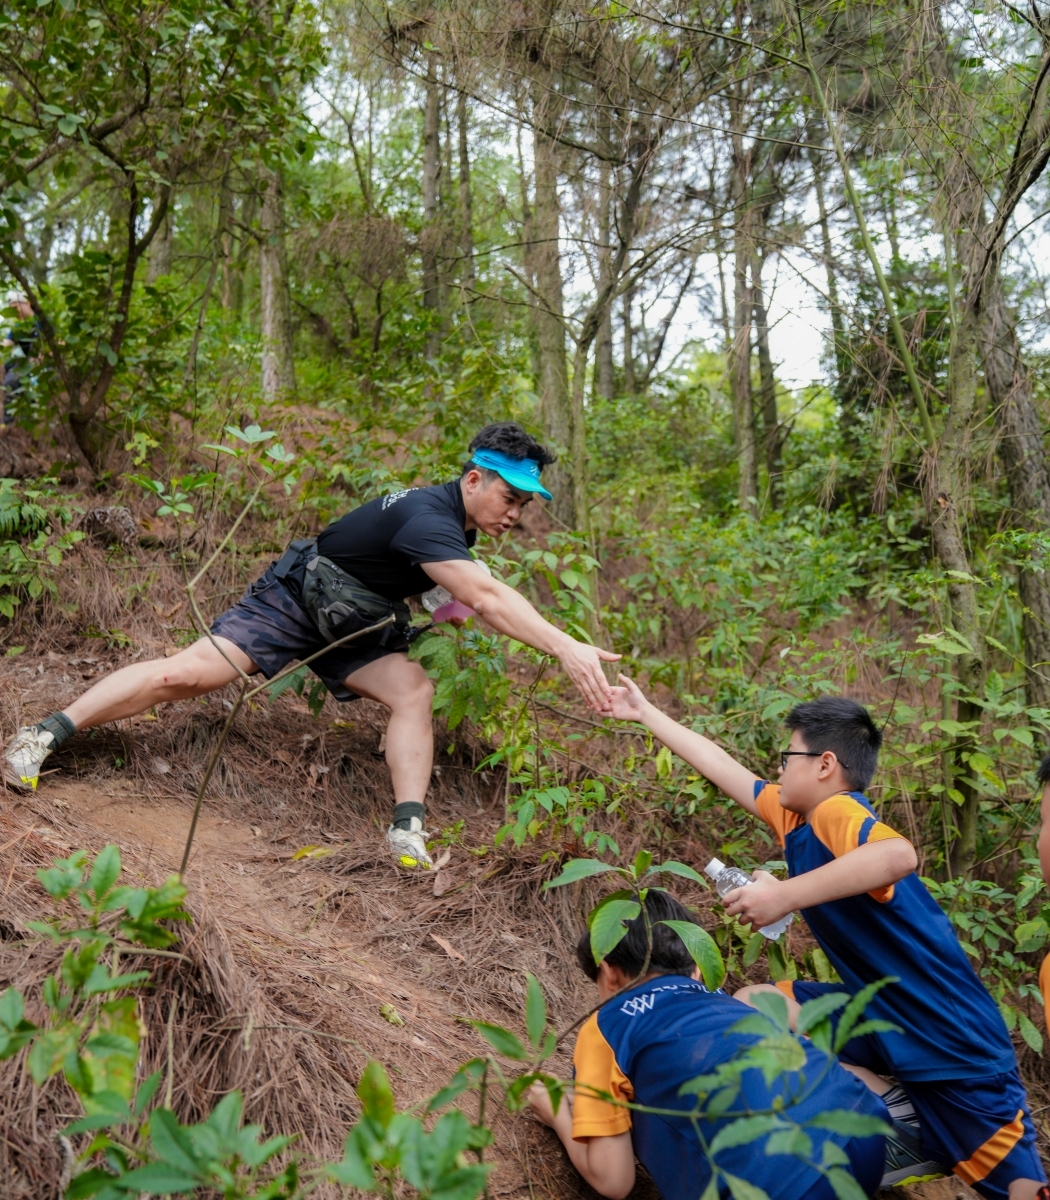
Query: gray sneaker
[905,1161]
[23,757]
[409,846]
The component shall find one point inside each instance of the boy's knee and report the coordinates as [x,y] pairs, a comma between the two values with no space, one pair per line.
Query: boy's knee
[752,989]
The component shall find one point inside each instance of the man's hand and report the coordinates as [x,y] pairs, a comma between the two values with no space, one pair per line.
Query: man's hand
[583,665]
[763,902]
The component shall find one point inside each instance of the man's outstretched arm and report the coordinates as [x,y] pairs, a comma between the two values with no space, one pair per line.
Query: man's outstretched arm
[629,704]
[504,609]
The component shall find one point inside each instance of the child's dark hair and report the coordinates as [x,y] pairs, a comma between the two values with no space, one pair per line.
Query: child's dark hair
[509,438]
[669,955]
[1043,774]
[846,729]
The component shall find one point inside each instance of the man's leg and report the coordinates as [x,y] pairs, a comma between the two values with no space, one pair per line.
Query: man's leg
[404,688]
[199,669]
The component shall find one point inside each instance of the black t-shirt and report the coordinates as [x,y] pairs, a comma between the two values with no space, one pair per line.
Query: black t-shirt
[383,542]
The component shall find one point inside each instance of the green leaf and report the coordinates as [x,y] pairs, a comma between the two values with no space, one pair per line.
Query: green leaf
[642,862]
[742,1190]
[468,1076]
[1033,1038]
[743,1132]
[844,1185]
[703,951]
[355,1169]
[849,1124]
[679,868]
[12,1008]
[376,1094]
[173,1146]
[815,1011]
[158,1179]
[535,1011]
[501,1040]
[608,927]
[577,869]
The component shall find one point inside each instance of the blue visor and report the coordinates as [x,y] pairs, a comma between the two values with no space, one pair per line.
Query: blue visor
[520,473]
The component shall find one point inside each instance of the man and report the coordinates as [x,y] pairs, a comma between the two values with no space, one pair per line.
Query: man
[395,546]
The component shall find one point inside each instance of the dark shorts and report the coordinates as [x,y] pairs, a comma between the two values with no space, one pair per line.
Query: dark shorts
[269,625]
[981,1128]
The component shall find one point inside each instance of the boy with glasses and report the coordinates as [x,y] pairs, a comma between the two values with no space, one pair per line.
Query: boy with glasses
[853,879]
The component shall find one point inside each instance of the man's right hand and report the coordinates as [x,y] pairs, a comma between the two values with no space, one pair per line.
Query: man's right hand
[583,665]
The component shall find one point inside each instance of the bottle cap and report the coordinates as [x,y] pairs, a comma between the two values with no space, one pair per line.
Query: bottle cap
[714,868]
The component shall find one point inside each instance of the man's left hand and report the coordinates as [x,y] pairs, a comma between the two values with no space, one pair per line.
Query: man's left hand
[762,902]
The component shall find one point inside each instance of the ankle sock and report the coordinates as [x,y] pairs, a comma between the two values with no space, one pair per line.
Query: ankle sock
[899,1105]
[59,726]
[404,814]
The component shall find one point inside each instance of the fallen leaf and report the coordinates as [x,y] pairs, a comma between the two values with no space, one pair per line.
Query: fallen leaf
[313,852]
[389,1013]
[256,831]
[442,859]
[160,766]
[442,882]
[448,948]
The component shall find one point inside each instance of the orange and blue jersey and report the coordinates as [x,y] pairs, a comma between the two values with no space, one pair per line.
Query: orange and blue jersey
[644,1044]
[950,1027]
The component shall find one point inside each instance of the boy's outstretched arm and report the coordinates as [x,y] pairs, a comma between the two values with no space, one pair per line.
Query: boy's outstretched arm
[870,867]
[628,704]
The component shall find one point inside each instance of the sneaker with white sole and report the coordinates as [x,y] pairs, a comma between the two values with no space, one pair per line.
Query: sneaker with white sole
[23,757]
[409,846]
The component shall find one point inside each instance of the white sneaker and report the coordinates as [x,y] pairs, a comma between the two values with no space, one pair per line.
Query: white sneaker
[23,757]
[409,846]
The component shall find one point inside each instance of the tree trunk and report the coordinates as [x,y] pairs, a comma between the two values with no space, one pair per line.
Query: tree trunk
[278,365]
[547,314]
[838,333]
[1023,454]
[948,487]
[466,203]
[772,435]
[630,374]
[430,233]
[160,253]
[740,350]
[604,380]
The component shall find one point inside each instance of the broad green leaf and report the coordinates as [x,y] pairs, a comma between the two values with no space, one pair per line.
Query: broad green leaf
[743,1132]
[844,1185]
[814,1011]
[793,1141]
[849,1124]
[577,869]
[643,860]
[703,950]
[355,1168]
[742,1190]
[535,1011]
[12,1008]
[173,1146]
[468,1076]
[1033,1038]
[501,1040]
[608,926]
[158,1179]
[672,867]
[375,1094]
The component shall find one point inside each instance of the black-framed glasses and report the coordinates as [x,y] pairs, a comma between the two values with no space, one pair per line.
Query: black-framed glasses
[786,754]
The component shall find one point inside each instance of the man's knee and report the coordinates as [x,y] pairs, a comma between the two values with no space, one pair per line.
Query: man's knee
[197,669]
[419,690]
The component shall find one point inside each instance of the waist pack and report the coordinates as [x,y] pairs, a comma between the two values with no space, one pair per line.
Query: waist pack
[336,602]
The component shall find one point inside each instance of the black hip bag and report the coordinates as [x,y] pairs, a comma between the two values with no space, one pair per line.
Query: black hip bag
[336,602]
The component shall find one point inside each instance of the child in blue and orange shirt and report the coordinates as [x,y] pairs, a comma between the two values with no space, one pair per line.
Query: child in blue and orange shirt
[652,1035]
[853,879]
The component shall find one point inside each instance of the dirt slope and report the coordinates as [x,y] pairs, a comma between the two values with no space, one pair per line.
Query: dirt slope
[293,961]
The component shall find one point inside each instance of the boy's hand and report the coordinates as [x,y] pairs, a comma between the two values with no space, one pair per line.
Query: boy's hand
[627,703]
[762,902]
[543,1110]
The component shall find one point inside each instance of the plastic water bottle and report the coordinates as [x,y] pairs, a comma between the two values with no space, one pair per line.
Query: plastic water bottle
[727,879]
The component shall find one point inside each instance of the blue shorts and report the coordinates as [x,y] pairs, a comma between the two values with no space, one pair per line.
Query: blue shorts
[269,625]
[981,1128]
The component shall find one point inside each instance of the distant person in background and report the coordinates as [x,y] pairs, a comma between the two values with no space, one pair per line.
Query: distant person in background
[20,348]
